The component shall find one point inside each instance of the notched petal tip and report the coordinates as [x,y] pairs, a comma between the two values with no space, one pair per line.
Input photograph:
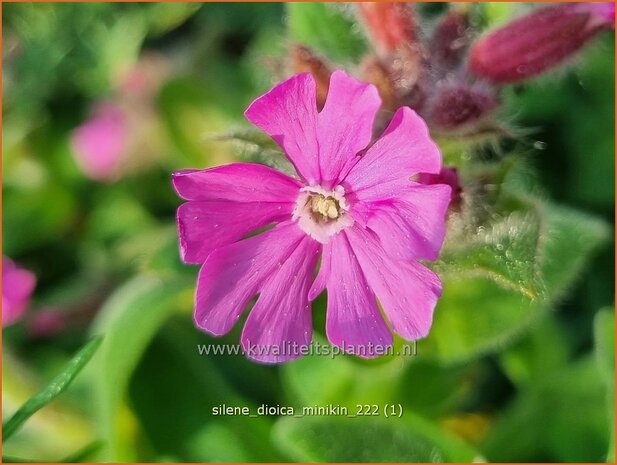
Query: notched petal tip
[284,88]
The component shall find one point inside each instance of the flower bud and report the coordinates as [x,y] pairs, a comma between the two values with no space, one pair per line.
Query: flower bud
[450,40]
[457,106]
[390,25]
[538,41]
[374,71]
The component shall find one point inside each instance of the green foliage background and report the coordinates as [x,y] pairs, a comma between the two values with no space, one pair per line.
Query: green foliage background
[519,365]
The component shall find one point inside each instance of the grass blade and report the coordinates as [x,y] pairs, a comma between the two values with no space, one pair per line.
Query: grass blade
[53,389]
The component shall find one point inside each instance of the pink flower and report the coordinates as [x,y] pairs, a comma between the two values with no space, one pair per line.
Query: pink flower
[538,41]
[361,213]
[17,287]
[99,145]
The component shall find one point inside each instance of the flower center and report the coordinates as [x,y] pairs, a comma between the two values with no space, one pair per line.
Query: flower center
[324,208]
[321,213]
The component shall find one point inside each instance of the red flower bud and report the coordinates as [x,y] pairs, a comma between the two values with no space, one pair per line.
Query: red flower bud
[456,106]
[539,41]
[450,40]
[390,25]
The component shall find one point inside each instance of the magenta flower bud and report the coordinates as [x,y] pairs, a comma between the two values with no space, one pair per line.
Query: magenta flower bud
[539,41]
[17,287]
[457,106]
[99,144]
[447,176]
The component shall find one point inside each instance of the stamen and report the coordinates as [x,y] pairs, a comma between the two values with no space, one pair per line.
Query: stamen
[322,213]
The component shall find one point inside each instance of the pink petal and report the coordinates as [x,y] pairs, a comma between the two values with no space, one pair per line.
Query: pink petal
[345,125]
[404,149]
[236,182]
[279,324]
[288,114]
[411,225]
[353,318]
[206,225]
[234,273]
[407,290]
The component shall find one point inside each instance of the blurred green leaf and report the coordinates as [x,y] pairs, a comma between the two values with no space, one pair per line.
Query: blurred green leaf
[129,320]
[561,417]
[53,389]
[544,349]
[196,384]
[164,17]
[432,390]
[604,329]
[116,213]
[35,217]
[308,382]
[82,454]
[325,27]
[367,439]
[191,119]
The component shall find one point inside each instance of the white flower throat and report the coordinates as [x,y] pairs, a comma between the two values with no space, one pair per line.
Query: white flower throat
[321,213]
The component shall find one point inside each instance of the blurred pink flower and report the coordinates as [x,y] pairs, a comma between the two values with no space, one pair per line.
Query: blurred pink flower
[361,213]
[47,322]
[100,144]
[538,41]
[17,287]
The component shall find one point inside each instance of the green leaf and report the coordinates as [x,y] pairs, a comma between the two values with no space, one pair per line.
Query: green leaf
[53,389]
[129,320]
[604,330]
[475,316]
[256,146]
[307,380]
[504,253]
[501,278]
[164,17]
[367,439]
[35,217]
[197,384]
[568,240]
[543,350]
[324,27]
[77,457]
[83,453]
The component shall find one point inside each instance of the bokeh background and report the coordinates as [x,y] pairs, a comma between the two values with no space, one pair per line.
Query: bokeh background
[504,376]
